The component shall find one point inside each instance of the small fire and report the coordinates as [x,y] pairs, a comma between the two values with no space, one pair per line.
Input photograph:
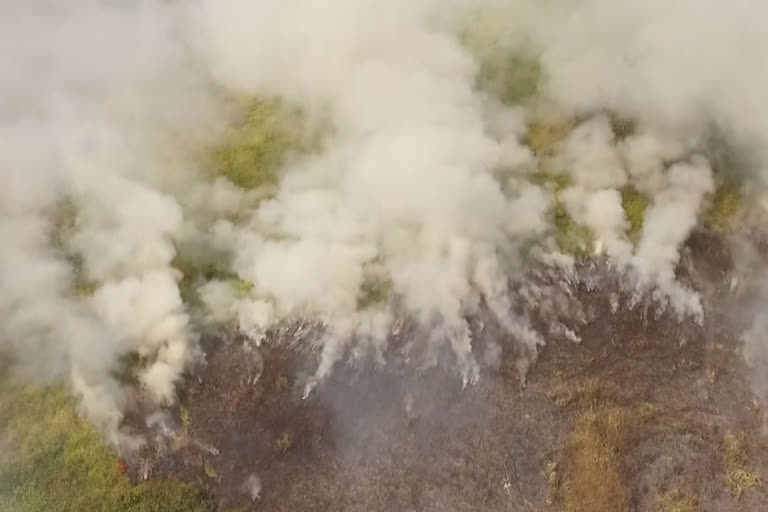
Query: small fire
[122,466]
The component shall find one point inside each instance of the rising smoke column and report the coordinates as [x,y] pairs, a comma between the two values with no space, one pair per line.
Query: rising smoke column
[89,95]
[406,182]
[422,180]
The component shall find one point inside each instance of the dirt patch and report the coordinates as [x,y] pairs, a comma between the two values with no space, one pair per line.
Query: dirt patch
[636,416]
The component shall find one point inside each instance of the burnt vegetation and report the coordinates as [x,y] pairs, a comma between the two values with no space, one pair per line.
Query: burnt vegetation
[625,408]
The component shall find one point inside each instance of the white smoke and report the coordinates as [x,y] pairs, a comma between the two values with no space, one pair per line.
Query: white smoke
[408,179]
[90,94]
[422,183]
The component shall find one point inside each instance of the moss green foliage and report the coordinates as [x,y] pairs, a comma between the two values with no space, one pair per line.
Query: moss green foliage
[556,181]
[253,151]
[732,164]
[374,291]
[576,239]
[125,370]
[727,203]
[510,74]
[543,137]
[209,469]
[52,461]
[64,219]
[250,156]
[285,441]
[621,126]
[635,203]
[512,79]
[196,272]
[571,237]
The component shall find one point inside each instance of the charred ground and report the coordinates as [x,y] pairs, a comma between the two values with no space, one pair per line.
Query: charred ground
[646,413]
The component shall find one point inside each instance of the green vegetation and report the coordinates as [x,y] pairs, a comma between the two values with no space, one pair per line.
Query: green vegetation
[284,441]
[635,203]
[51,460]
[54,461]
[556,181]
[571,237]
[375,291]
[186,419]
[209,469]
[727,203]
[512,79]
[544,137]
[196,272]
[253,151]
[509,74]
[249,156]
[621,126]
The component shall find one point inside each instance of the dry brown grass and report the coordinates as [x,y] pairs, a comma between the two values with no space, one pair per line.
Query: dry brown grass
[544,137]
[739,478]
[678,501]
[592,478]
[594,481]
[284,442]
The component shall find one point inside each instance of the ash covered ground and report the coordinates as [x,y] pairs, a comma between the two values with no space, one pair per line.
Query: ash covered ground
[627,407]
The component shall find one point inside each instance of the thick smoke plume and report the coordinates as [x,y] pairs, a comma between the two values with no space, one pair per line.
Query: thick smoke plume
[422,183]
[91,95]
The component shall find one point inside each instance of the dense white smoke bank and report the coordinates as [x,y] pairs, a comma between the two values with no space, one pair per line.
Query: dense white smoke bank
[88,94]
[407,183]
[422,181]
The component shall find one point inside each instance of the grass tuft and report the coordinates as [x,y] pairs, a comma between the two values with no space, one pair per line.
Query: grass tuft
[622,127]
[544,137]
[635,204]
[571,237]
[284,441]
[727,203]
[678,501]
[375,291]
[512,79]
[739,478]
[507,72]
[254,150]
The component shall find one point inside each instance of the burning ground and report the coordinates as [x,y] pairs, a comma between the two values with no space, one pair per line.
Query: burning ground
[645,413]
[377,255]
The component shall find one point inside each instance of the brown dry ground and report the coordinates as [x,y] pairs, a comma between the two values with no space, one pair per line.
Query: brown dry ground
[646,414]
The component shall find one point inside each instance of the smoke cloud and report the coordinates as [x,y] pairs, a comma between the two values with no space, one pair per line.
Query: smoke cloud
[422,184]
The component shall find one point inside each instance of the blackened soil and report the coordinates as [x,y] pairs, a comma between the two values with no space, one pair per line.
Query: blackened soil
[397,439]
